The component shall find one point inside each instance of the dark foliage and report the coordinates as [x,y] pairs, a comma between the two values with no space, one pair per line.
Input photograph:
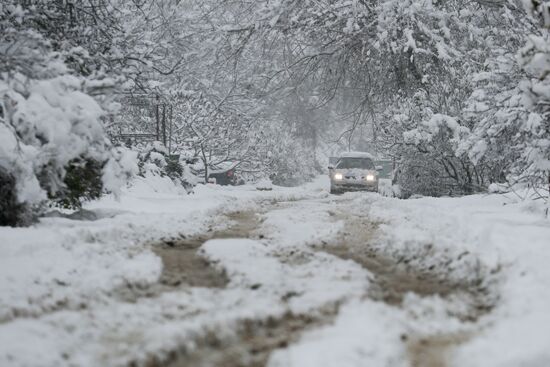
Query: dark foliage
[12,213]
[173,168]
[82,182]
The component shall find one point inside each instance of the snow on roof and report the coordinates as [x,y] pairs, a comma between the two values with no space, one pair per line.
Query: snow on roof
[356,155]
[223,167]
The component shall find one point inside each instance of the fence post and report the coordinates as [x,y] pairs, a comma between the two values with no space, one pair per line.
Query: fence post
[164,124]
[157,119]
[170,136]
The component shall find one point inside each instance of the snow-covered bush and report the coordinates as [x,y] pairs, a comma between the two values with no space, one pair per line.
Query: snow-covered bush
[285,158]
[154,160]
[264,184]
[291,167]
[82,182]
[50,115]
[51,127]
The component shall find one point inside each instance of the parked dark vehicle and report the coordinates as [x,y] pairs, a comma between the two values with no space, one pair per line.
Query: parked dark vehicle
[227,177]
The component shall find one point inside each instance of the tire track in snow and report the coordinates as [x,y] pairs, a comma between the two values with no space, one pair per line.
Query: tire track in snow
[251,341]
[391,283]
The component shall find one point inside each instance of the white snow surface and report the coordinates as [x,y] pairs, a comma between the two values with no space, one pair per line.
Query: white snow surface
[365,333]
[59,278]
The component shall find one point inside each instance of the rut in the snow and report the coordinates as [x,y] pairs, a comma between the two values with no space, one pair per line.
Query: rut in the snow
[251,343]
[392,281]
[182,265]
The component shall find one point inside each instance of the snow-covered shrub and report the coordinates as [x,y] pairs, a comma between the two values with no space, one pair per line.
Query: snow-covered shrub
[264,185]
[429,164]
[119,169]
[50,129]
[47,125]
[288,161]
[151,159]
[50,114]
[87,179]
[416,176]
[174,169]
[154,160]
[82,181]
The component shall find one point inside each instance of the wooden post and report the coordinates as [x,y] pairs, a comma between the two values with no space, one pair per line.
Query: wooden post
[164,124]
[157,119]
[170,136]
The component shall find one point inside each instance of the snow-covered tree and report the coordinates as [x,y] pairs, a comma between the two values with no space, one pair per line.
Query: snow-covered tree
[412,60]
[532,136]
[50,106]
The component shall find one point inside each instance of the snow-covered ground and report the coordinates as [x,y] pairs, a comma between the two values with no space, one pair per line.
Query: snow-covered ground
[61,263]
[493,238]
[60,279]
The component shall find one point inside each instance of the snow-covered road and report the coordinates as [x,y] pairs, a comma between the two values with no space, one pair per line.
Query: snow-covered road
[289,277]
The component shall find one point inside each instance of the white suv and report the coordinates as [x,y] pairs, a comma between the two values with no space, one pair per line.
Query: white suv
[353,171]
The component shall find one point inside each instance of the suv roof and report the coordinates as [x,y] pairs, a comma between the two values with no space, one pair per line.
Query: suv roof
[356,155]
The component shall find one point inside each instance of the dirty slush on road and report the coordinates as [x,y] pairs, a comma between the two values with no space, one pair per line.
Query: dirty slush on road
[254,340]
[393,280]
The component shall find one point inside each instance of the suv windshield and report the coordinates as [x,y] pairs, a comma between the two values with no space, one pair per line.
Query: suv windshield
[362,163]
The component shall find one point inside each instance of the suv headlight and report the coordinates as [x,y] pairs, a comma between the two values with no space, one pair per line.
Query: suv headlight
[371,178]
[338,176]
